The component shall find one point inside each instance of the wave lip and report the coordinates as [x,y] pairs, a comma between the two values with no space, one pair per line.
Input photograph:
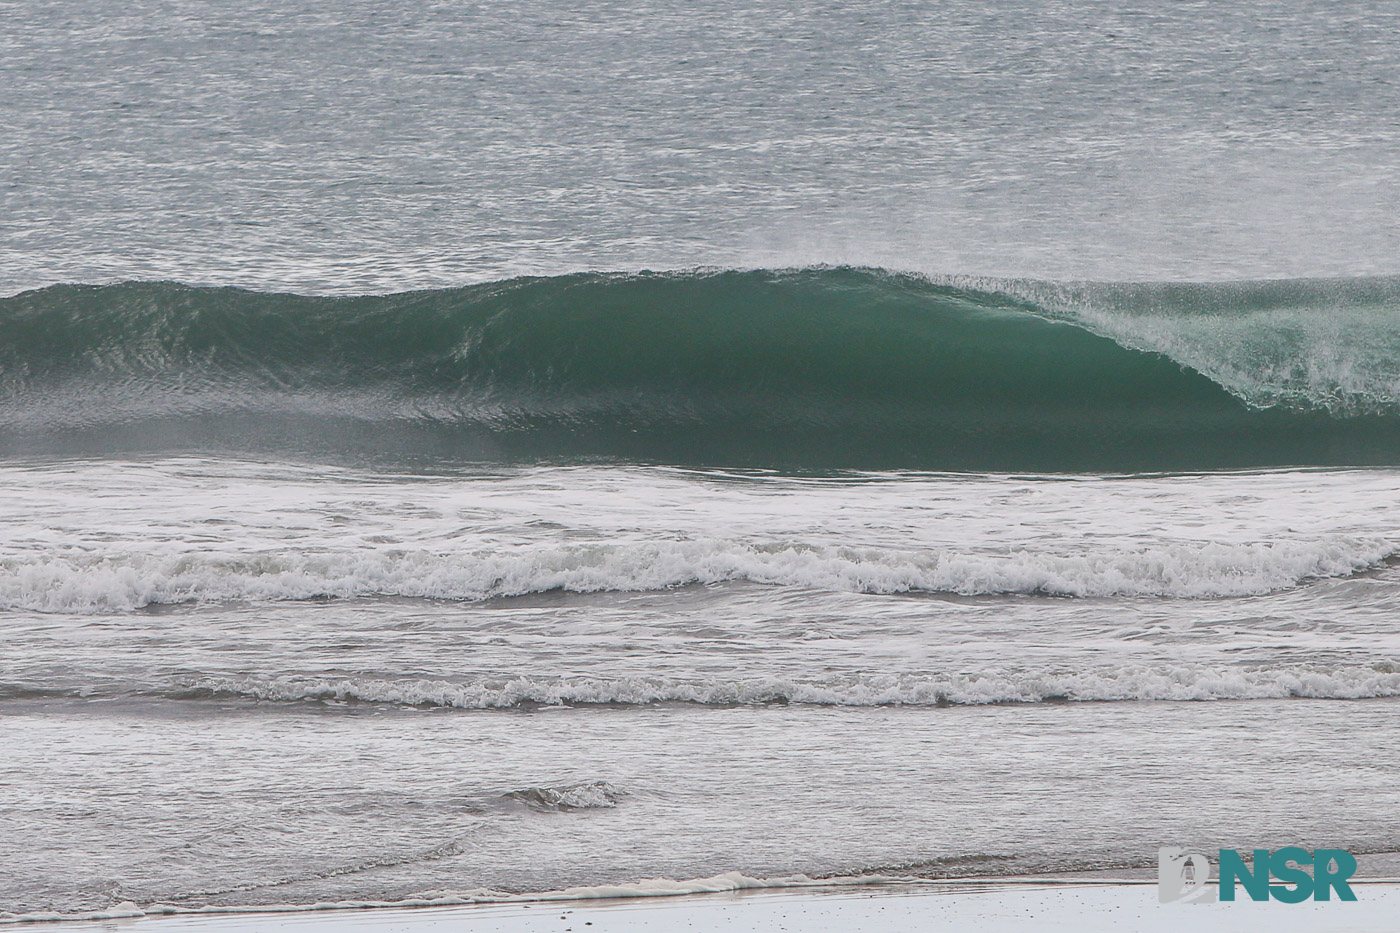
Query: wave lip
[100,582]
[805,369]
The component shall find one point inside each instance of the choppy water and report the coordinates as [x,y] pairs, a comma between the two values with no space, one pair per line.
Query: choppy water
[909,537]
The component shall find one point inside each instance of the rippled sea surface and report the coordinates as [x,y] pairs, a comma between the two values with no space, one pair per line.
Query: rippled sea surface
[373,146]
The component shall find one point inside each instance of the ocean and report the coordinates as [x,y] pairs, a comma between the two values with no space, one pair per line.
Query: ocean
[472,448]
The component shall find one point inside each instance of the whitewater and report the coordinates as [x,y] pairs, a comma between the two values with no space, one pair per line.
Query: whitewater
[314,648]
[483,451]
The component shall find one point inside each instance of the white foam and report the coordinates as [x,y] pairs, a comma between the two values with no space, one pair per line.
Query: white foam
[101,582]
[1334,345]
[1129,682]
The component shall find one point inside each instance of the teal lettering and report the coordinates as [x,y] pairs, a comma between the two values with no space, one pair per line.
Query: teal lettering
[1324,879]
[1256,883]
[1278,865]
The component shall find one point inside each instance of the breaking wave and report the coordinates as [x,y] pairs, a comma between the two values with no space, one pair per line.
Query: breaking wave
[1145,681]
[87,582]
[808,369]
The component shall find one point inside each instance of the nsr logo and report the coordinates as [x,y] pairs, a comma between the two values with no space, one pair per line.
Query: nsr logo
[1182,875]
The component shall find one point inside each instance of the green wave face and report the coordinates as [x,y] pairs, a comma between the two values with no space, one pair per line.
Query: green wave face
[812,369]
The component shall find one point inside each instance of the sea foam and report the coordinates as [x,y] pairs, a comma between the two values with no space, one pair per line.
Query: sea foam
[1131,681]
[85,582]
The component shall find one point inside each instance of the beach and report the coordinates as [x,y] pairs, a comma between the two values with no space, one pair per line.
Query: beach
[989,907]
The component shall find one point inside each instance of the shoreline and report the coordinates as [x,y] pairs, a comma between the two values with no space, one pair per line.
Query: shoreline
[1381,876]
[991,905]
